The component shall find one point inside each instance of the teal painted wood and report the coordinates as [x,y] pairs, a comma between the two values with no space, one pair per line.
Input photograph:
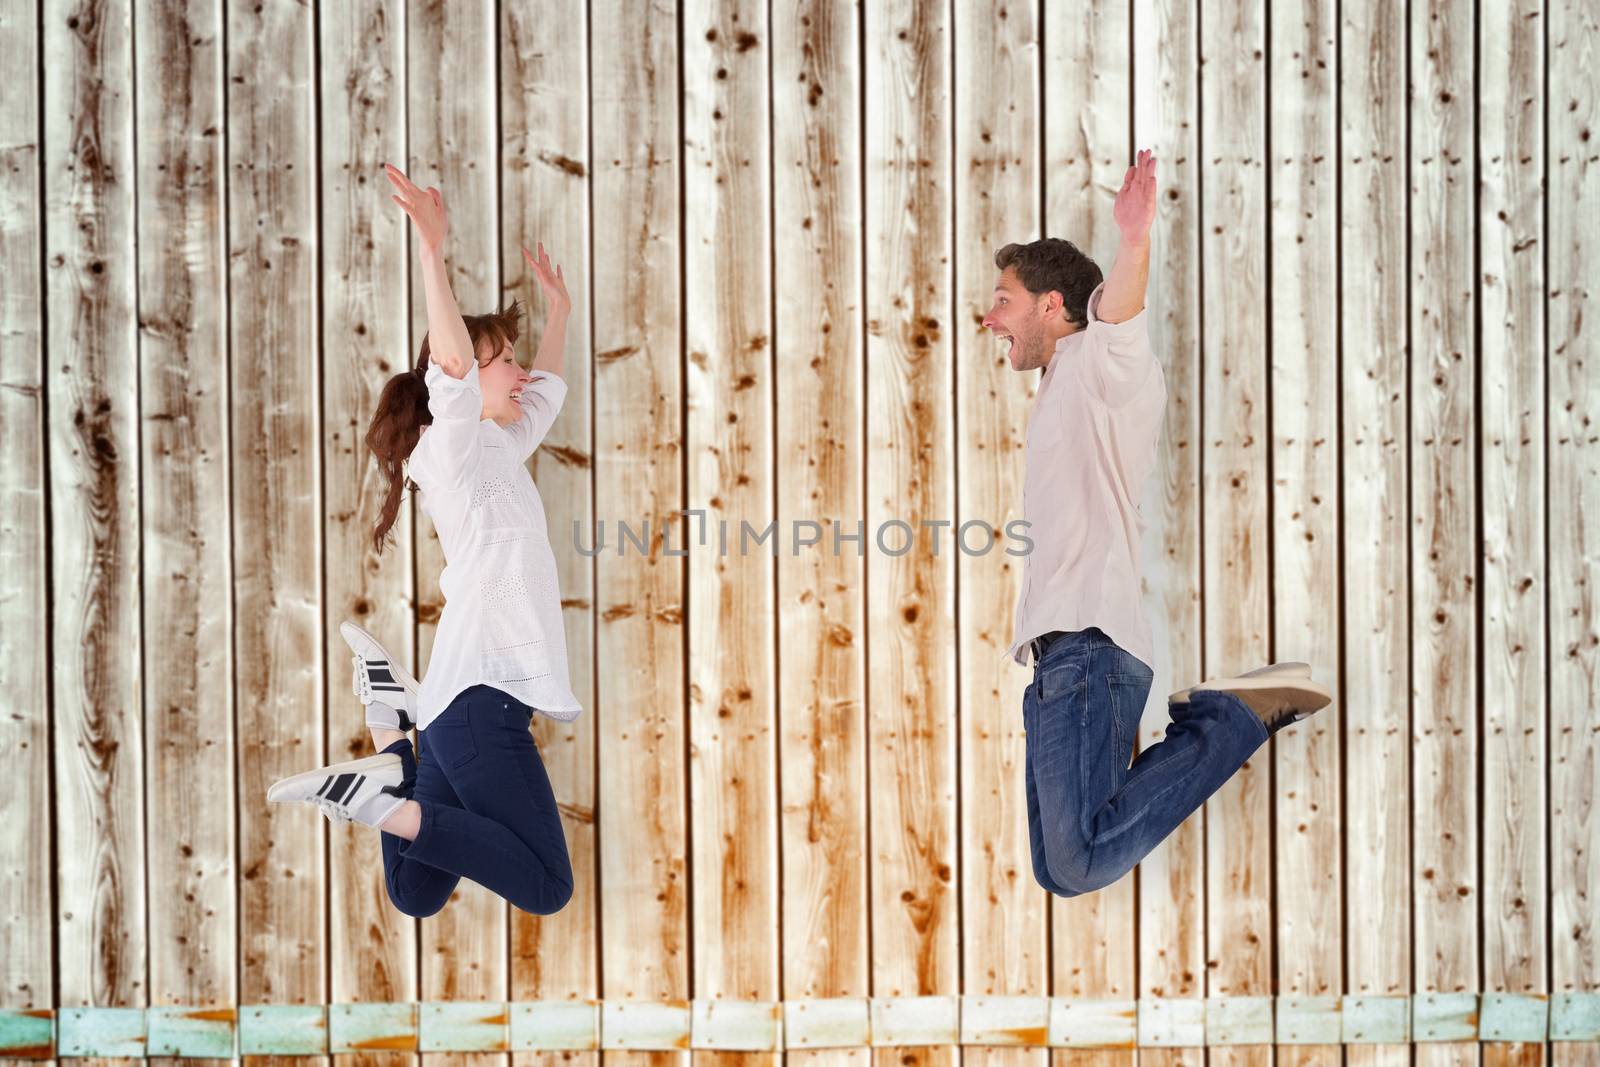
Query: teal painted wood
[1575,1017]
[191,1032]
[555,1026]
[1172,1022]
[736,1025]
[1377,1020]
[538,1026]
[283,1030]
[1514,1017]
[1239,1020]
[463,1026]
[1309,1021]
[1004,1021]
[827,1022]
[27,1035]
[915,1021]
[1444,1017]
[101,1032]
[372,1028]
[644,1025]
[1093,1023]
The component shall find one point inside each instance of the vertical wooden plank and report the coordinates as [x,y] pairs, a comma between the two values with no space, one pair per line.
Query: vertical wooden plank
[1302,236]
[544,101]
[92,383]
[276,471]
[910,596]
[638,477]
[184,389]
[817,214]
[1373,443]
[362,82]
[1088,101]
[1004,933]
[1234,293]
[1171,920]
[1573,243]
[27,935]
[1510,218]
[451,111]
[1444,486]
[732,703]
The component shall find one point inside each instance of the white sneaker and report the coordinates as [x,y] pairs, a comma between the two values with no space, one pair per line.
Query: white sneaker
[366,791]
[384,686]
[1278,699]
[1289,670]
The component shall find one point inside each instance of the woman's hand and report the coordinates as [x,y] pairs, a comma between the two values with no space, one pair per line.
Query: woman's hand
[424,206]
[551,280]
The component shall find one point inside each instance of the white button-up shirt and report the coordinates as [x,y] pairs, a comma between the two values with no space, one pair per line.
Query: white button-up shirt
[501,624]
[1091,443]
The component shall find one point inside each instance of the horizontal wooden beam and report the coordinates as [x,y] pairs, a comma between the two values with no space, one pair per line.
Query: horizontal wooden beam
[979,1021]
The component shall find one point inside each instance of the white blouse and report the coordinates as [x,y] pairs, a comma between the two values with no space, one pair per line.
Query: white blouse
[501,624]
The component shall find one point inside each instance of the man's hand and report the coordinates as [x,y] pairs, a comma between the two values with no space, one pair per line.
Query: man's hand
[425,207]
[551,280]
[1135,208]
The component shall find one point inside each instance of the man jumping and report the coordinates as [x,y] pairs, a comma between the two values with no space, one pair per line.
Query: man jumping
[1091,444]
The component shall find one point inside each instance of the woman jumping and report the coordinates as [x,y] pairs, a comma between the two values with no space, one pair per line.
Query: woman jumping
[462,424]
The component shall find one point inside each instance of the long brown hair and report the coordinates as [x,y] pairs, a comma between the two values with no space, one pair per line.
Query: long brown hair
[403,410]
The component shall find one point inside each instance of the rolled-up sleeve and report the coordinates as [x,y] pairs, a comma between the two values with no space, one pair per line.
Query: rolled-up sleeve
[452,441]
[1117,358]
[541,402]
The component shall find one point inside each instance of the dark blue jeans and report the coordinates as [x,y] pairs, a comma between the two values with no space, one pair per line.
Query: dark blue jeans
[488,813]
[1092,817]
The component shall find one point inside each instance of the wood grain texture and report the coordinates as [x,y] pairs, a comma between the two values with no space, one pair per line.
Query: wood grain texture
[1304,376]
[454,145]
[91,381]
[1236,496]
[1376,690]
[1004,914]
[184,375]
[1088,81]
[1573,239]
[1511,445]
[373,946]
[27,955]
[817,239]
[638,477]
[728,438]
[277,499]
[1444,306]
[1171,879]
[911,694]
[544,119]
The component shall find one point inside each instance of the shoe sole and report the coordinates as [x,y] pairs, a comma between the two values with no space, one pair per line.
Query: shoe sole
[1290,669]
[1300,694]
[278,792]
[368,647]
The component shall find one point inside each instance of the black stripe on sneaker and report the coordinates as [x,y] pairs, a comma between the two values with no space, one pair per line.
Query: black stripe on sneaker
[355,790]
[325,783]
[378,671]
[340,787]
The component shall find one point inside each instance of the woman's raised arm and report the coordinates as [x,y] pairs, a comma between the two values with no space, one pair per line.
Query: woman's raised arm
[448,344]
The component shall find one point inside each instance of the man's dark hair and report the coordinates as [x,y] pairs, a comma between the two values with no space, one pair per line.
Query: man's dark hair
[1052,263]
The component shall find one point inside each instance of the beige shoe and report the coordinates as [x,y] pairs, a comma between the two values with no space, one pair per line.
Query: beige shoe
[1278,699]
[1290,669]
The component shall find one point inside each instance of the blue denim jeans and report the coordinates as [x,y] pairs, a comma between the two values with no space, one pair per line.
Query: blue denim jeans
[1092,817]
[488,813]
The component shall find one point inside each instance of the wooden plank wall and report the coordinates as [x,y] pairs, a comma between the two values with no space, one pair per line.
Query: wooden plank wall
[798,775]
